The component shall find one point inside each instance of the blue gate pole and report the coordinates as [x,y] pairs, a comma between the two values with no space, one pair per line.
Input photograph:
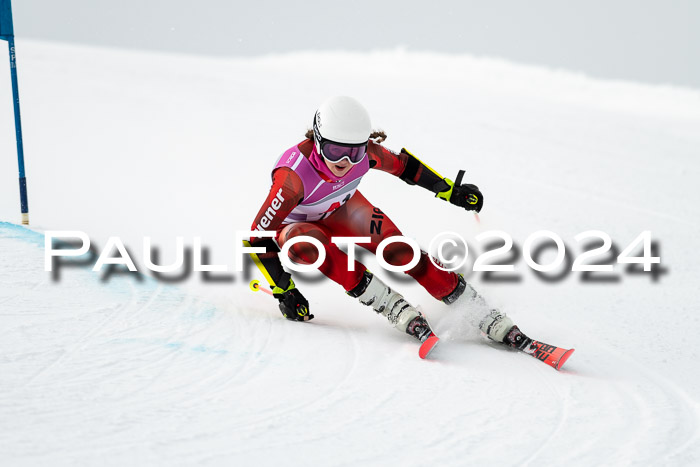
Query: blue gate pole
[7,33]
[24,202]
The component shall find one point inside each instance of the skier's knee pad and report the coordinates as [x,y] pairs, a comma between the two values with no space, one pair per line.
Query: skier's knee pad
[304,252]
[398,253]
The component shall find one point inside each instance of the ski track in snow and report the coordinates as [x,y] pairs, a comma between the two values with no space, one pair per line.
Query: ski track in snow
[129,378]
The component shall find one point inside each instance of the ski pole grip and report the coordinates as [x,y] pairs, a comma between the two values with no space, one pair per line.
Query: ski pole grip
[458,180]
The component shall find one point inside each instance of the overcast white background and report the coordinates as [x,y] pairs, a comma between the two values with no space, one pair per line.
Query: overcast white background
[646,41]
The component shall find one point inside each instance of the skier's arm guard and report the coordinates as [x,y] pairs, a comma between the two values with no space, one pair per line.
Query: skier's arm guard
[466,195]
[269,263]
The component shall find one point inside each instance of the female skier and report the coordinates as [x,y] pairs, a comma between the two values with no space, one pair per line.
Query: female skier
[314,193]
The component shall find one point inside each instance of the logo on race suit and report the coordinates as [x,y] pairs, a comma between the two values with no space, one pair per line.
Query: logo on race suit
[291,156]
[270,212]
[335,187]
[375,226]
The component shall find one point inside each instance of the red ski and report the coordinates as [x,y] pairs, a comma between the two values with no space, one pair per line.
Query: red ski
[428,345]
[550,354]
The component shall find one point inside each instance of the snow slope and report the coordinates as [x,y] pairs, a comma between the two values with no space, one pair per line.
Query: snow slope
[137,371]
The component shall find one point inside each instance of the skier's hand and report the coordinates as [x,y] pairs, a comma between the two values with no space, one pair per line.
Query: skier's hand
[293,305]
[465,196]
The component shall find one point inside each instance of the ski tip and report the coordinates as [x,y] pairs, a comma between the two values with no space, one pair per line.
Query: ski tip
[428,346]
[565,356]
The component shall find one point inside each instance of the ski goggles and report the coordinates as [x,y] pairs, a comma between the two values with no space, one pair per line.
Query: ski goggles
[335,152]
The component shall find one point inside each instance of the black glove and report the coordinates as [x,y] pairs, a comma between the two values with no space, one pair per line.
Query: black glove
[293,305]
[466,195]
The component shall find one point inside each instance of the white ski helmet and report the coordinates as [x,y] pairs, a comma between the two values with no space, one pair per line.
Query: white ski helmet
[341,119]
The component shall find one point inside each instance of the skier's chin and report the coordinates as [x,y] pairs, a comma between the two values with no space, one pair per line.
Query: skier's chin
[339,170]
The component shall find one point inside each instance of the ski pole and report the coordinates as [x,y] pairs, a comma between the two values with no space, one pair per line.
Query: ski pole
[255,287]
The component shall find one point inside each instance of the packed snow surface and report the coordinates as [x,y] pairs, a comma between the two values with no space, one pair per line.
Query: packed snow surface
[130,370]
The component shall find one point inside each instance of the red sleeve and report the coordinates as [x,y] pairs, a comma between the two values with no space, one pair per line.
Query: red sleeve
[286,192]
[407,167]
[383,159]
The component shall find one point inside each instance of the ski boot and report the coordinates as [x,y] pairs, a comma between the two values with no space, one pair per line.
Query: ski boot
[500,328]
[373,292]
[466,290]
[419,328]
[497,326]
[516,339]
